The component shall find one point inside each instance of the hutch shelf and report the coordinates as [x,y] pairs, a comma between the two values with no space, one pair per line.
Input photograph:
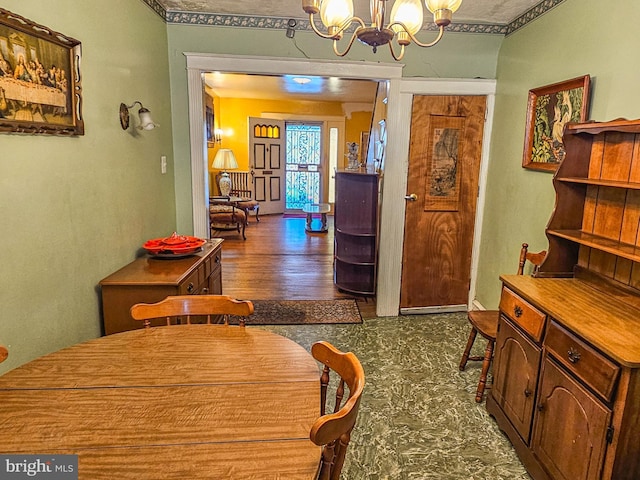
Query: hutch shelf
[566,386]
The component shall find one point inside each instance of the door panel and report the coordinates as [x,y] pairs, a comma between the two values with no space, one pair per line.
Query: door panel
[444,165]
[576,450]
[266,147]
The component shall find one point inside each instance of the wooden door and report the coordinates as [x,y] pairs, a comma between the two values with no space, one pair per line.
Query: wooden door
[266,158]
[570,428]
[442,192]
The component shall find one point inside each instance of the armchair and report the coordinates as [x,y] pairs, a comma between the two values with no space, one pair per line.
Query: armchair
[241,183]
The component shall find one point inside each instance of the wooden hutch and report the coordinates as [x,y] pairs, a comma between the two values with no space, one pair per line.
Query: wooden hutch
[566,375]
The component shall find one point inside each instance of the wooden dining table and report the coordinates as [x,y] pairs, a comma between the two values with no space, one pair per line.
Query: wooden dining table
[187,401]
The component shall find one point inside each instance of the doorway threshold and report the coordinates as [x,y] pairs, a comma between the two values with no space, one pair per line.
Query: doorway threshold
[429,310]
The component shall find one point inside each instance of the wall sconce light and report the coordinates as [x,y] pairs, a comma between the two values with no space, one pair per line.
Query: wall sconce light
[217,135]
[146,123]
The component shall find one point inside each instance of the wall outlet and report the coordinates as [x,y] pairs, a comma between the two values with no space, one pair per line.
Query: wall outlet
[163,164]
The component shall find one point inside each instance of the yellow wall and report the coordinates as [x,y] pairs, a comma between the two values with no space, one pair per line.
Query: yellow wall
[358,123]
[232,115]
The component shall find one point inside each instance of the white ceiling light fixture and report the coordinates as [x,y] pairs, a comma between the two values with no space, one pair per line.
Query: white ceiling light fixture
[405,21]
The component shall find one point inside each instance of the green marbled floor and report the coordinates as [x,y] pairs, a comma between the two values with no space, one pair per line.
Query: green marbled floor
[418,418]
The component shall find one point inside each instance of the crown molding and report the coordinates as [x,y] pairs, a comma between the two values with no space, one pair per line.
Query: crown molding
[250,21]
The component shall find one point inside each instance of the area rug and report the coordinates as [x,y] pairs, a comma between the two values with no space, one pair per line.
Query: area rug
[302,312]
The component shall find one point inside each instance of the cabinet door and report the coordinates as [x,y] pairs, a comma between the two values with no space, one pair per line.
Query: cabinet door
[570,427]
[515,376]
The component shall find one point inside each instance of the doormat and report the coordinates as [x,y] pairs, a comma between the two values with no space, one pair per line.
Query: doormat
[304,312]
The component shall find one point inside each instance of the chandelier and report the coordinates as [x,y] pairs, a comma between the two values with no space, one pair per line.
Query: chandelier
[405,21]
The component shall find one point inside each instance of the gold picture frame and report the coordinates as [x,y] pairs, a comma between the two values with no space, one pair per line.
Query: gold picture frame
[549,109]
[40,82]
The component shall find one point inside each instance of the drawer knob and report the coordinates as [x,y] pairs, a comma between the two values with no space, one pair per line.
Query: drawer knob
[527,393]
[217,259]
[573,355]
[517,311]
[190,287]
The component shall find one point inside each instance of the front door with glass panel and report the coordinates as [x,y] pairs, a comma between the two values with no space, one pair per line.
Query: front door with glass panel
[266,148]
[303,164]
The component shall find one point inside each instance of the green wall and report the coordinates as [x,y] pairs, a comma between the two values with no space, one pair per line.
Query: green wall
[74,210]
[573,39]
[456,56]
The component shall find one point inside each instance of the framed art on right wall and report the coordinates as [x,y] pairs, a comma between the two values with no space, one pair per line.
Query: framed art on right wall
[549,109]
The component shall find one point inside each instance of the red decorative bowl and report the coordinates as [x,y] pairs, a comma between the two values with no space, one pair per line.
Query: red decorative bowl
[174,245]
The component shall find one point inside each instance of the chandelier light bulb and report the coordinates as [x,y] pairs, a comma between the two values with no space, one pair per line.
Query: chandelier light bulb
[435,5]
[335,13]
[409,13]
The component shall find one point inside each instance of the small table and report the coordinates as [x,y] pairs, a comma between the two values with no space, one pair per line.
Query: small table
[318,209]
[187,401]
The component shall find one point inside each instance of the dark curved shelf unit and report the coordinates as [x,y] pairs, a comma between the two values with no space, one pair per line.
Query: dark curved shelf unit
[356,232]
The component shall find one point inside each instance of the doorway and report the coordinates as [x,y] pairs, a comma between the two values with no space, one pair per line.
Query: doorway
[304,166]
[397,126]
[442,192]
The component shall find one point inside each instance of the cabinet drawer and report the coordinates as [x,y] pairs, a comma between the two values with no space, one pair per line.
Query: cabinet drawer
[522,313]
[586,363]
[192,282]
[211,264]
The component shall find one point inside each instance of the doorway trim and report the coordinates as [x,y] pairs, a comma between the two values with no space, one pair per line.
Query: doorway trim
[400,95]
[201,63]
[394,206]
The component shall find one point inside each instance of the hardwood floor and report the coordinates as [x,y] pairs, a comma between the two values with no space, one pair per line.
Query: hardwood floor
[279,260]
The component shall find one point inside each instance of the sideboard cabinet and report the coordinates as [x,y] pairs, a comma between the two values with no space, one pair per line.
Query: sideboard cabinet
[149,280]
[566,379]
[356,231]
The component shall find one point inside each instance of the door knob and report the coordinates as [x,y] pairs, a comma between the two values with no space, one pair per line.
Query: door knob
[411,198]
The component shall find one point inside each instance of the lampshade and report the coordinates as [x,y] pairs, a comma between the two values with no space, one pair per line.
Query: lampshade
[146,123]
[336,12]
[434,5]
[224,160]
[409,13]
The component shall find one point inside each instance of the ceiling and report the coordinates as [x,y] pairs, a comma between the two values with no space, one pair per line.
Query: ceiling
[499,12]
[284,87]
[496,13]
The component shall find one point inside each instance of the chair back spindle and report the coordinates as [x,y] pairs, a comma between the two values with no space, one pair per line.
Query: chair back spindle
[333,431]
[176,308]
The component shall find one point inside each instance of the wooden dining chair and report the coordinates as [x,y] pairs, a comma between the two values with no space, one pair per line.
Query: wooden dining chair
[4,353]
[332,430]
[181,308]
[485,322]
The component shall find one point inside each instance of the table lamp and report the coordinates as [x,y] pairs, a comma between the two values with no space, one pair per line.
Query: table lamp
[224,160]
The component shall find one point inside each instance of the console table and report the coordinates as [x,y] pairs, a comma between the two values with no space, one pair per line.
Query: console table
[150,280]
